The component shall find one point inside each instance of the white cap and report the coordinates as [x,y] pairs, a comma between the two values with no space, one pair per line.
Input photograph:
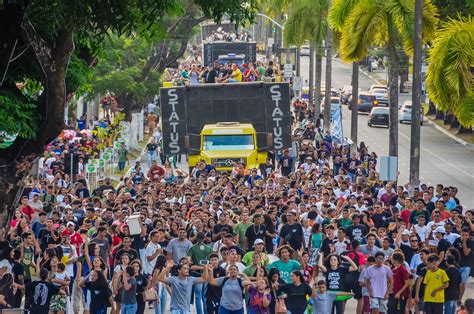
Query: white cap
[406,232]
[257,241]
[440,229]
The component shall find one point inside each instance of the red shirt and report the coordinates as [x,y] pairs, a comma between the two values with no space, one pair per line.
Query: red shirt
[400,276]
[28,211]
[76,240]
[405,215]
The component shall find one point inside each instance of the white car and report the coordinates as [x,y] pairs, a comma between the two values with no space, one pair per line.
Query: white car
[404,113]
[380,93]
[304,51]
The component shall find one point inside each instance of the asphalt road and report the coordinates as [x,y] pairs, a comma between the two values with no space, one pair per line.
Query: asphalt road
[443,160]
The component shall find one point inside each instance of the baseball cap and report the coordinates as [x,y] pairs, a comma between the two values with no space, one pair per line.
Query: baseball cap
[70,223]
[406,232]
[257,241]
[440,229]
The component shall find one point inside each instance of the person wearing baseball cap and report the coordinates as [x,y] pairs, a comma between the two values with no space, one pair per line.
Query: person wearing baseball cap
[258,248]
[443,244]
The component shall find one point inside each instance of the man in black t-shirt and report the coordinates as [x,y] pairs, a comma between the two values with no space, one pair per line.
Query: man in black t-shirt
[40,293]
[255,231]
[292,232]
[211,74]
[356,231]
[465,246]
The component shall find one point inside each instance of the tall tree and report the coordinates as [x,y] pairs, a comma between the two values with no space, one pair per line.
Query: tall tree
[385,22]
[308,21]
[450,77]
[37,40]
[338,15]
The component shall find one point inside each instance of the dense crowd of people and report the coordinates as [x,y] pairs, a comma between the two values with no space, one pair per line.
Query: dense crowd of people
[311,228]
[193,74]
[221,35]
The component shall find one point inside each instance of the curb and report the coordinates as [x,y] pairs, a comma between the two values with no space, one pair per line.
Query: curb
[370,77]
[449,134]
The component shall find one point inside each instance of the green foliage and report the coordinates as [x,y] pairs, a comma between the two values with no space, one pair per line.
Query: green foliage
[368,24]
[452,8]
[18,116]
[450,81]
[120,69]
[307,21]
[78,75]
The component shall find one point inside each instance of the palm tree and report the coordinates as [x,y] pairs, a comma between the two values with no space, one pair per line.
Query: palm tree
[340,10]
[450,77]
[384,22]
[308,21]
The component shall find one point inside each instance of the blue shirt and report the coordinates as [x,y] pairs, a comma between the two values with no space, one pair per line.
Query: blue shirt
[323,302]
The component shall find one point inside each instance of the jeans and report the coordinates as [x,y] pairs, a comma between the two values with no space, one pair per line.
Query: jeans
[450,307]
[101,310]
[465,271]
[151,156]
[338,307]
[121,165]
[160,308]
[129,308]
[200,297]
[223,310]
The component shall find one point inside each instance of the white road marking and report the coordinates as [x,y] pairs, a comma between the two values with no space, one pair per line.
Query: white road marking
[440,158]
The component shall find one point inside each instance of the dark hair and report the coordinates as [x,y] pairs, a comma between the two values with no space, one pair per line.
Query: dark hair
[44,274]
[101,282]
[272,272]
[160,262]
[397,256]
[432,258]
[299,274]
[379,254]
[130,271]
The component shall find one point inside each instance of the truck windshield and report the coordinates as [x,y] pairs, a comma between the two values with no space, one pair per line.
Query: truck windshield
[228,142]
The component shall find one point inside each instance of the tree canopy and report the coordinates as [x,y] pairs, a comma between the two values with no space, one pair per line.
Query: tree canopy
[450,78]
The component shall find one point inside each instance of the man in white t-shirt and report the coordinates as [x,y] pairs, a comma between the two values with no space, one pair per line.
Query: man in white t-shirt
[153,249]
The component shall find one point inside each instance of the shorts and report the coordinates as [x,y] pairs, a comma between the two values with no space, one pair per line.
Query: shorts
[378,303]
[366,304]
[465,271]
[58,303]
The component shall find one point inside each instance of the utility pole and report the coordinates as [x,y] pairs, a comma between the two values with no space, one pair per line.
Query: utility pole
[416,99]
[311,78]
[327,89]
[354,104]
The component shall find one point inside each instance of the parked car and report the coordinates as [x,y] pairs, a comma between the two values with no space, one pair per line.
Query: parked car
[365,102]
[304,51]
[379,116]
[404,113]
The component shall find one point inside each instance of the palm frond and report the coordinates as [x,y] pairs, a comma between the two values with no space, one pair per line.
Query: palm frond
[307,21]
[450,81]
[402,13]
[430,21]
[358,32]
[339,13]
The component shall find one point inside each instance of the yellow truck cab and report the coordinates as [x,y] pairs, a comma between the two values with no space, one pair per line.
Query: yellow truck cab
[225,143]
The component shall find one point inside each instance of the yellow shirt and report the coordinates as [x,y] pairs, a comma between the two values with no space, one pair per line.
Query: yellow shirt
[433,280]
[237,75]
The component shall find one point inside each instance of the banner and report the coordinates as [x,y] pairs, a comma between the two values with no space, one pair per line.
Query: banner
[337,125]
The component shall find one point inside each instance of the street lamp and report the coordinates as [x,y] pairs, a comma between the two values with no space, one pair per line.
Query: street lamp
[282,28]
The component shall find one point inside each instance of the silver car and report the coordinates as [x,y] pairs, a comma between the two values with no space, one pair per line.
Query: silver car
[404,113]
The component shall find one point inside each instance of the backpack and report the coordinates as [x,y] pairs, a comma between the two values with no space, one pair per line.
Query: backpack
[240,284]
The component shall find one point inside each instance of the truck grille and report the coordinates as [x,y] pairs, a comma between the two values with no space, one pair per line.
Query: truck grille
[225,162]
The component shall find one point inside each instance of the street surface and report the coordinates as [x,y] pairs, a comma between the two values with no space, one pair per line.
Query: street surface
[443,160]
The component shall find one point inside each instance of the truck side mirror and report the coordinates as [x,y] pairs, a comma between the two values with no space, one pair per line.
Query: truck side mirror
[186,142]
[269,139]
